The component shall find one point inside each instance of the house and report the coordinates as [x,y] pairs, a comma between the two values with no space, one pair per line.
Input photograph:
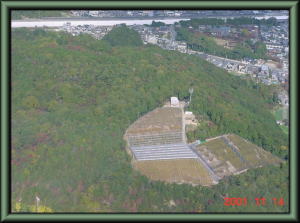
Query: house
[265,69]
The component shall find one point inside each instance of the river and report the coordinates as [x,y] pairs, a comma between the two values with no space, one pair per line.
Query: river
[56,23]
[97,22]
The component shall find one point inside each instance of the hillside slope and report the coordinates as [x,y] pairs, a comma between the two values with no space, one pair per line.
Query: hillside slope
[74,97]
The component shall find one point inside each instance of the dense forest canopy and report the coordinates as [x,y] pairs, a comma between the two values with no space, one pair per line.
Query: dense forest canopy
[74,97]
[123,36]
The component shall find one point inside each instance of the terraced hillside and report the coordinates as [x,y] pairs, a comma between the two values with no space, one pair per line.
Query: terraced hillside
[231,154]
[160,126]
[165,119]
[159,135]
[254,154]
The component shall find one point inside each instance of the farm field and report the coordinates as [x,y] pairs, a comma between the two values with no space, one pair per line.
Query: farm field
[175,171]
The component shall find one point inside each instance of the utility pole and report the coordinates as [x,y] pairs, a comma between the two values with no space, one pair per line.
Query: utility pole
[37,199]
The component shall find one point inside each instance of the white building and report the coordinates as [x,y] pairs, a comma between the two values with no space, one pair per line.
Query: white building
[188,113]
[174,102]
[94,13]
[151,39]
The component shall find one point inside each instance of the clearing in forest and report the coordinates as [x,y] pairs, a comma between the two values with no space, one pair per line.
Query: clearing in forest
[231,154]
[157,144]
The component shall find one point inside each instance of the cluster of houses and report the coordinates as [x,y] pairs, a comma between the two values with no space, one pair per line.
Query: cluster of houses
[129,13]
[97,32]
[260,70]
[257,69]
[283,98]
[231,32]
[163,36]
[172,13]
[276,39]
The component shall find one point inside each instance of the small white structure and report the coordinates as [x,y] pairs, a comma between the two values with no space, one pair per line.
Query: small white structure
[190,118]
[188,113]
[151,39]
[174,102]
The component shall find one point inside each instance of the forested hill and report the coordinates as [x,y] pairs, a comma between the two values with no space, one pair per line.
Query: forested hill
[72,100]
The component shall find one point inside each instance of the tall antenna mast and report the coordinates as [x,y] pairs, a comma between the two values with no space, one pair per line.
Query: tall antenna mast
[191,90]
